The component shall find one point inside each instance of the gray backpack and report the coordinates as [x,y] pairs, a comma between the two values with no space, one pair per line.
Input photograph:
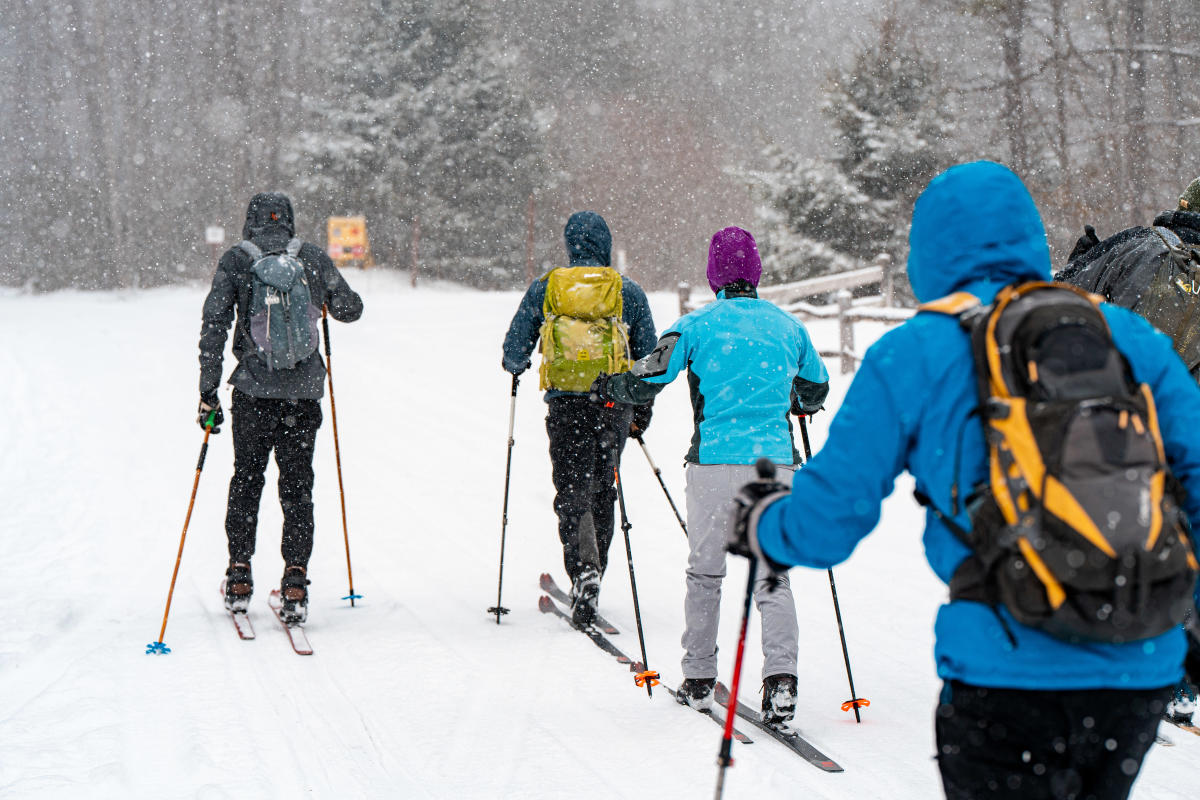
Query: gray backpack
[283,319]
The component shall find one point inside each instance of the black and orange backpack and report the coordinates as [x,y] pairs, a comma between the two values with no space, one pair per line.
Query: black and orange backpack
[1077,529]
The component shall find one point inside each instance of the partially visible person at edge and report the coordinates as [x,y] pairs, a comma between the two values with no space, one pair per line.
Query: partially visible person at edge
[1184,221]
[585,437]
[748,363]
[1044,718]
[273,409]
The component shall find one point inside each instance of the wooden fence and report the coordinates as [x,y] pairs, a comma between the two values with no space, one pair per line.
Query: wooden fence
[795,298]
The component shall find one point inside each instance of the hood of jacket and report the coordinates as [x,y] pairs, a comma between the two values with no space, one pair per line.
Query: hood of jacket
[975,229]
[270,222]
[589,243]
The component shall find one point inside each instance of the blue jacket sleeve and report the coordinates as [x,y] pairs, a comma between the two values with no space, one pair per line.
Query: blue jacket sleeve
[835,500]
[651,374]
[642,335]
[1176,398]
[524,329]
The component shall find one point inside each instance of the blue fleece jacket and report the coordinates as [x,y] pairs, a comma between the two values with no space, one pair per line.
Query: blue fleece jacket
[974,229]
[748,364]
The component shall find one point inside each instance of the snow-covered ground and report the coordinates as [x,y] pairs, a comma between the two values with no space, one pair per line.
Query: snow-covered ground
[416,692]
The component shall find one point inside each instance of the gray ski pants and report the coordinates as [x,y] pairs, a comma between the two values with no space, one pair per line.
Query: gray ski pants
[710,492]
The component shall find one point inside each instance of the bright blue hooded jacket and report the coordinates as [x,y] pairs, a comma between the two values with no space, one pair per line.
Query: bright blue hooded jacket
[974,229]
[748,363]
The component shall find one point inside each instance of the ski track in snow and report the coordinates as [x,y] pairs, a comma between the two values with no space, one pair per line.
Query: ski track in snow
[416,692]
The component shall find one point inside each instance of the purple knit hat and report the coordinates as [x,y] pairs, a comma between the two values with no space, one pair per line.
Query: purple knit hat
[732,255]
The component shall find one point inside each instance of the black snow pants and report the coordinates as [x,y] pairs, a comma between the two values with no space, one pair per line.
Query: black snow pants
[289,427]
[585,437]
[1020,744]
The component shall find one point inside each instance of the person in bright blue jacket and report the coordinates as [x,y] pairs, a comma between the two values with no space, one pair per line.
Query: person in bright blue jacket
[1031,716]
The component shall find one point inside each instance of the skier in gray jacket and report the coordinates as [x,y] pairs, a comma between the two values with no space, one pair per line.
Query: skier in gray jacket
[274,408]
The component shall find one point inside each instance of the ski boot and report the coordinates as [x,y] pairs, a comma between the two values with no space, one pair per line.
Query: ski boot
[779,699]
[1182,707]
[697,693]
[585,593]
[293,592]
[239,586]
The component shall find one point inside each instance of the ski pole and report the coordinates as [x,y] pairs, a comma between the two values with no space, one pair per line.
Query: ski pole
[499,609]
[647,677]
[658,474]
[337,453]
[855,701]
[725,755]
[158,648]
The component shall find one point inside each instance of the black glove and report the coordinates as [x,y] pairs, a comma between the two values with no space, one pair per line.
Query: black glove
[598,393]
[749,503]
[641,420]
[1084,243]
[798,409]
[514,370]
[210,402]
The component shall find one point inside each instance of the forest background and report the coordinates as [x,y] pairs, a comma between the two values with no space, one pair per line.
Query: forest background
[127,127]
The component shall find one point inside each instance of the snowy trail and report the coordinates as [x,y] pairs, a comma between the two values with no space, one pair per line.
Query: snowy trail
[416,692]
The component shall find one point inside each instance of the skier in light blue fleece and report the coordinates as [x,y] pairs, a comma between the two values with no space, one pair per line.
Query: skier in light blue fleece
[748,365]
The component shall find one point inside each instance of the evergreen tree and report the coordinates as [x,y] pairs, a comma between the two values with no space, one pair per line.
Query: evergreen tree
[830,216]
[430,130]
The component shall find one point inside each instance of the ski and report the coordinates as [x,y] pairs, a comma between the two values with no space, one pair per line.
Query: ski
[296,634]
[787,736]
[241,620]
[548,606]
[1183,726]
[551,588]
[716,714]
[1163,741]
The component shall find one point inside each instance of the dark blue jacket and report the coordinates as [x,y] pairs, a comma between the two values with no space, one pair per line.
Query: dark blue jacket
[975,229]
[589,244]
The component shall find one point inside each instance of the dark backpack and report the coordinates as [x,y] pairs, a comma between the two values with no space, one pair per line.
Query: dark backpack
[1078,528]
[1154,274]
[283,319]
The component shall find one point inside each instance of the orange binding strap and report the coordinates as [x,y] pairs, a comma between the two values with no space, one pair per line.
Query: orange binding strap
[649,675]
[858,702]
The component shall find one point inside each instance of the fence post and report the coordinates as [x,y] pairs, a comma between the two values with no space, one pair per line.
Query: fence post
[685,297]
[845,331]
[888,285]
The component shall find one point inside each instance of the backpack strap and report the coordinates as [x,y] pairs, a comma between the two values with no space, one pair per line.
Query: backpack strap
[293,247]
[1169,237]
[952,304]
[251,249]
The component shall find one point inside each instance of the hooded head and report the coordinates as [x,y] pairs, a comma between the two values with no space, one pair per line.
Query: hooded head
[975,228]
[733,256]
[270,223]
[589,244]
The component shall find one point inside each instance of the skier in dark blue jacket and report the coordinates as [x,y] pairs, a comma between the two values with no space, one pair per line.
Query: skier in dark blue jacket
[586,438]
[1033,715]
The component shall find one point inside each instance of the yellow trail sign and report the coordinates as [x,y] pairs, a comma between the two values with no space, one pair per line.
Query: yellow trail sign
[348,241]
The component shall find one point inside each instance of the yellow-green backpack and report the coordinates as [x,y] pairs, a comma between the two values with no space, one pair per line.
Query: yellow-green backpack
[583,334]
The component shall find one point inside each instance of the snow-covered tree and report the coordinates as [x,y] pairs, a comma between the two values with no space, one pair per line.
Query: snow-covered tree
[824,216]
[431,130]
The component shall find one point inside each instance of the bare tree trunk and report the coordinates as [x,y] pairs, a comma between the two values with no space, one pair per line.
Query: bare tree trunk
[1061,51]
[1014,100]
[1135,103]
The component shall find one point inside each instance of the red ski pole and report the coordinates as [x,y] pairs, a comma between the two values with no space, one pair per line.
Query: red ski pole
[725,755]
